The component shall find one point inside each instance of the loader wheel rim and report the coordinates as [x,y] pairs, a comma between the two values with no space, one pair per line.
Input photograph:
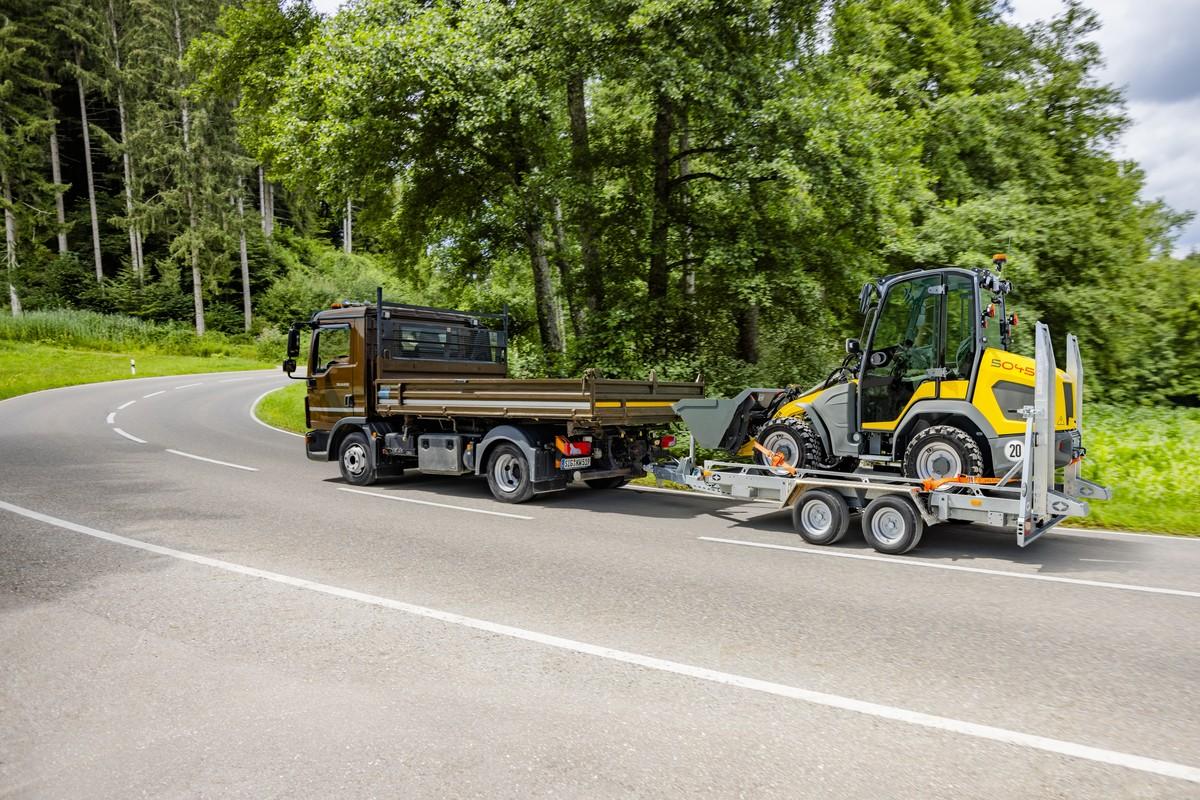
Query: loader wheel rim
[816,517]
[355,459]
[785,445]
[939,460]
[507,472]
[888,526]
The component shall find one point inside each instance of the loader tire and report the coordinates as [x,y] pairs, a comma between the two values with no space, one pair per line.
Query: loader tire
[795,438]
[942,451]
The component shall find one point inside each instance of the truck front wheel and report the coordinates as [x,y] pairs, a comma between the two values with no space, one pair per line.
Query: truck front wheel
[354,459]
[508,474]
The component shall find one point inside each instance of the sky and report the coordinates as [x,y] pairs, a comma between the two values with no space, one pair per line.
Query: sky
[1151,53]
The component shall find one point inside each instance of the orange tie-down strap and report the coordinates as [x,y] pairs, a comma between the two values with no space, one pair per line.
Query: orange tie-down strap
[929,484]
[774,459]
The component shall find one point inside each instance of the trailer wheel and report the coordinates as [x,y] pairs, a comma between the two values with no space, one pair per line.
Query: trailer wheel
[892,525]
[607,483]
[821,516]
[354,460]
[508,474]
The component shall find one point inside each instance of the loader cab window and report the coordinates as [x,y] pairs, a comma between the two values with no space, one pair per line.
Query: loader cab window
[961,344]
[330,347]
[903,348]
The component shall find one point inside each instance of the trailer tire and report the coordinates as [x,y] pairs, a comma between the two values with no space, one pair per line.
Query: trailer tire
[892,525]
[607,483]
[509,474]
[821,516]
[354,460]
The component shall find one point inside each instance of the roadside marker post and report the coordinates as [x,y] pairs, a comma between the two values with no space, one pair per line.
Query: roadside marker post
[132,367]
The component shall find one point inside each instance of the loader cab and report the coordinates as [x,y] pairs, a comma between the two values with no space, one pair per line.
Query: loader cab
[922,339]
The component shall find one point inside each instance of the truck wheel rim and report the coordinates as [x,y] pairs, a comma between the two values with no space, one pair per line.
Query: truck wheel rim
[507,472]
[816,517]
[938,460]
[355,459]
[887,526]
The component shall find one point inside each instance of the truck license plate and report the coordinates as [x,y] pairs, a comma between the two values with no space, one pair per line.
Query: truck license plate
[576,463]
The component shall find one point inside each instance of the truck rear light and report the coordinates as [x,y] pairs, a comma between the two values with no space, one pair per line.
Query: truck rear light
[666,441]
[569,447]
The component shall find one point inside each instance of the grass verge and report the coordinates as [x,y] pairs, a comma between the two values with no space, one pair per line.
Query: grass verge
[1142,454]
[28,367]
[284,408]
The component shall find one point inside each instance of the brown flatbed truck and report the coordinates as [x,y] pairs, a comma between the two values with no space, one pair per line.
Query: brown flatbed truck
[395,387]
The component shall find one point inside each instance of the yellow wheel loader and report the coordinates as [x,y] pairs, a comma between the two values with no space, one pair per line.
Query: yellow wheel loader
[930,390]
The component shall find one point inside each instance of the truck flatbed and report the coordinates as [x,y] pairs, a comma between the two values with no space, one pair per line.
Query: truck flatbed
[589,400]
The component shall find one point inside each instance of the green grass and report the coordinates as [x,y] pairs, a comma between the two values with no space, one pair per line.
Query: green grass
[1144,455]
[1148,457]
[29,367]
[284,408]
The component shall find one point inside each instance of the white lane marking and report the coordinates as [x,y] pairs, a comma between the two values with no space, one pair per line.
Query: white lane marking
[154,394]
[246,378]
[124,406]
[430,503]
[1003,735]
[129,436]
[913,562]
[111,418]
[1090,533]
[190,385]
[1110,560]
[254,407]
[211,460]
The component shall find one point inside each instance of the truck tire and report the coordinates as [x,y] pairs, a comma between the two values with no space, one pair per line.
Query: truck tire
[607,483]
[508,474]
[942,451]
[821,516]
[354,460]
[795,438]
[892,525]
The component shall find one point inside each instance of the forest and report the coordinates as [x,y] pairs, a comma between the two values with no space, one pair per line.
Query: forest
[693,186]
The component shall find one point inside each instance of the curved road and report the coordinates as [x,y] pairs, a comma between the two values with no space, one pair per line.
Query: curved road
[189,607]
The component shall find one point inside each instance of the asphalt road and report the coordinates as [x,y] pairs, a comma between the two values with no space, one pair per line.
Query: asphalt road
[178,627]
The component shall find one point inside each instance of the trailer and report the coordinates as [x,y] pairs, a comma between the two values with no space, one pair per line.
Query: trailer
[1030,498]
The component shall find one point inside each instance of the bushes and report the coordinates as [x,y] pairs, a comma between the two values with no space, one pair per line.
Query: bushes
[89,330]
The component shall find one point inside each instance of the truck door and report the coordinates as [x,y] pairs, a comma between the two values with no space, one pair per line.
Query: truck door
[904,351]
[331,376]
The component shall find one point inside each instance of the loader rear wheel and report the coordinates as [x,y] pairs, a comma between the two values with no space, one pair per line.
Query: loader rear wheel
[795,440]
[942,451]
[892,525]
[821,516]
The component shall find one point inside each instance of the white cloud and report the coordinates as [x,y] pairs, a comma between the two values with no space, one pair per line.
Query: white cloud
[1150,50]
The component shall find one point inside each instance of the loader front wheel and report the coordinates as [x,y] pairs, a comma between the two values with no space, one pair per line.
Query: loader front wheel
[794,440]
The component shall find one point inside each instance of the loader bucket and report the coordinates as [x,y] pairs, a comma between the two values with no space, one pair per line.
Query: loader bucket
[718,422]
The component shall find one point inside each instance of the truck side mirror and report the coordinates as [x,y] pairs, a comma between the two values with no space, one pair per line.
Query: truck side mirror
[289,366]
[293,345]
[853,347]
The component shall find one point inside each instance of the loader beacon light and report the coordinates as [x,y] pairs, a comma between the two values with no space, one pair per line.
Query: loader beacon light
[999,260]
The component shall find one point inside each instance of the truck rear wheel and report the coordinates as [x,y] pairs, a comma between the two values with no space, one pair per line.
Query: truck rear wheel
[508,474]
[821,516]
[354,460]
[892,525]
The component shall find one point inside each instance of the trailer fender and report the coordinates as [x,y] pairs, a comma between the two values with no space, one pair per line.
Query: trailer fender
[505,433]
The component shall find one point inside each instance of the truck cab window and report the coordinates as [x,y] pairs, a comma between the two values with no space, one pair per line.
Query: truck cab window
[331,347]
